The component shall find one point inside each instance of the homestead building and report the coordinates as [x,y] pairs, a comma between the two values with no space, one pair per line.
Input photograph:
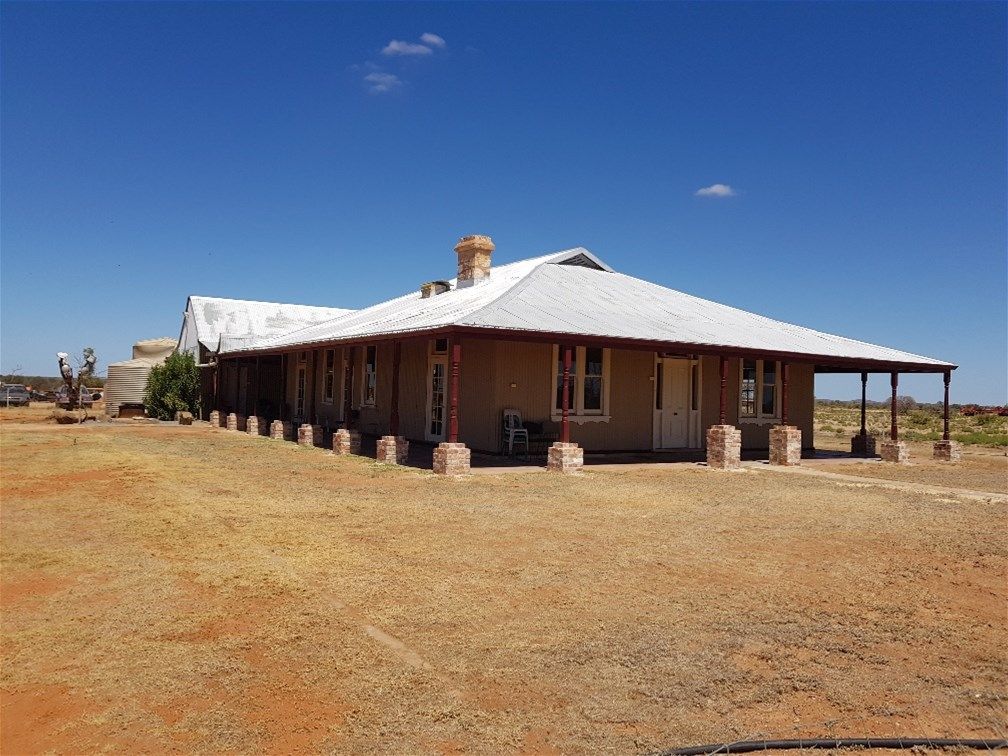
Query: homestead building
[590,359]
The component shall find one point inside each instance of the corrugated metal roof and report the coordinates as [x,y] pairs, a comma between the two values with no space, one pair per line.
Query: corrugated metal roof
[242,320]
[559,293]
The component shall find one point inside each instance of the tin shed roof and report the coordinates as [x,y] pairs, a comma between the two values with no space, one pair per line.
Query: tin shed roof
[238,321]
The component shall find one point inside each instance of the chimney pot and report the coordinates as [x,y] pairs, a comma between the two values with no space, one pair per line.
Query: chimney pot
[473,259]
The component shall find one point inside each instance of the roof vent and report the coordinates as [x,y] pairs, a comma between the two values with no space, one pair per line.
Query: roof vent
[581,260]
[473,259]
[433,288]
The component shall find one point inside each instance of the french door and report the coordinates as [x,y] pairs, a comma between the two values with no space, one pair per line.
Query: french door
[437,382]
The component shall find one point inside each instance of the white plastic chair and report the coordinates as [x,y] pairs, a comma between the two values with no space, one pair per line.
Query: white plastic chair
[514,431]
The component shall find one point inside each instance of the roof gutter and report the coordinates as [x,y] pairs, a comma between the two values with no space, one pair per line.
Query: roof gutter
[829,362]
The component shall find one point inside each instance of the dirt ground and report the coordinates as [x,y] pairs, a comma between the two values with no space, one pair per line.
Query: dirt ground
[980,469]
[186,589]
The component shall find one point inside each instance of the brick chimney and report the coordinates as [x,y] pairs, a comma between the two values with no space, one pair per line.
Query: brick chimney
[473,259]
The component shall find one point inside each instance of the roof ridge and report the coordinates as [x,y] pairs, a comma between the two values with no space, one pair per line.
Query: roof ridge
[264,302]
[523,281]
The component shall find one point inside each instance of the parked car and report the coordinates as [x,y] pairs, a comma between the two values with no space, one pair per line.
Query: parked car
[63,397]
[14,395]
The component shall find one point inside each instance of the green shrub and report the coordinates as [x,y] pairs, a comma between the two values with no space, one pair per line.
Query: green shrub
[173,386]
[919,418]
[982,439]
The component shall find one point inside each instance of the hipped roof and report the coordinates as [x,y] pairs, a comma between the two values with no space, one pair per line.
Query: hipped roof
[575,294]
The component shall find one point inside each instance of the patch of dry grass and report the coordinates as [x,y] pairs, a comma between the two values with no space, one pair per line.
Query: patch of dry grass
[42,412]
[188,588]
[980,469]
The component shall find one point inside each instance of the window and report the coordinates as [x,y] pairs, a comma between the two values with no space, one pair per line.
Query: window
[370,376]
[300,397]
[589,383]
[748,406]
[330,376]
[571,381]
[592,394]
[440,346]
[768,404]
[348,379]
[437,400]
[758,389]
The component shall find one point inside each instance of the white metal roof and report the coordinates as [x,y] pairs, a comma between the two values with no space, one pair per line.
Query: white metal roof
[239,321]
[573,292]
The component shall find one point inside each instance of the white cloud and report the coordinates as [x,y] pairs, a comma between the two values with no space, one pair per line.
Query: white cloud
[715,190]
[398,47]
[432,39]
[379,82]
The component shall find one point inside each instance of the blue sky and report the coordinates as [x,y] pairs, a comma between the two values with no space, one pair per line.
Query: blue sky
[332,154]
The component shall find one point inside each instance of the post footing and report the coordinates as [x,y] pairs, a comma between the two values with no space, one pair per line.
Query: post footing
[947,451]
[451,458]
[785,445]
[392,450]
[862,446]
[565,458]
[895,451]
[724,447]
[310,435]
[346,441]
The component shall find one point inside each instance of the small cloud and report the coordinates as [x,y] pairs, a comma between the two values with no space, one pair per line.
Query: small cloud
[715,190]
[398,47]
[432,39]
[382,82]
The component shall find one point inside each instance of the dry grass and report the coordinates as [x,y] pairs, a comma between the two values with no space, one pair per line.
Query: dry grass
[193,589]
[42,412]
[923,424]
[980,469]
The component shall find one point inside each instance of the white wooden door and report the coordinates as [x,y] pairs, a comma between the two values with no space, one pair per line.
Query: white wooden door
[675,404]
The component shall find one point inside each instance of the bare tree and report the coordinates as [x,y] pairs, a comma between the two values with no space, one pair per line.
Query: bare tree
[85,367]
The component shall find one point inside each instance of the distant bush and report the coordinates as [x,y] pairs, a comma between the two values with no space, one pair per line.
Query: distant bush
[172,387]
[984,439]
[905,404]
[919,418]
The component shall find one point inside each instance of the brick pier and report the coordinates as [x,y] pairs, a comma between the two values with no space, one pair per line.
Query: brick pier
[565,458]
[724,447]
[451,458]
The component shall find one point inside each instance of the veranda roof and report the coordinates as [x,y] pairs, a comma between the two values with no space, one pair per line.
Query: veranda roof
[574,294]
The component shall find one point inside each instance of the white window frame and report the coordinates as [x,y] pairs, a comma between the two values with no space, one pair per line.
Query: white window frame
[371,401]
[760,417]
[576,412]
[328,376]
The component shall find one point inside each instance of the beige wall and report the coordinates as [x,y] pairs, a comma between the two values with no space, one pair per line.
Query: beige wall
[801,401]
[528,366]
[499,374]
